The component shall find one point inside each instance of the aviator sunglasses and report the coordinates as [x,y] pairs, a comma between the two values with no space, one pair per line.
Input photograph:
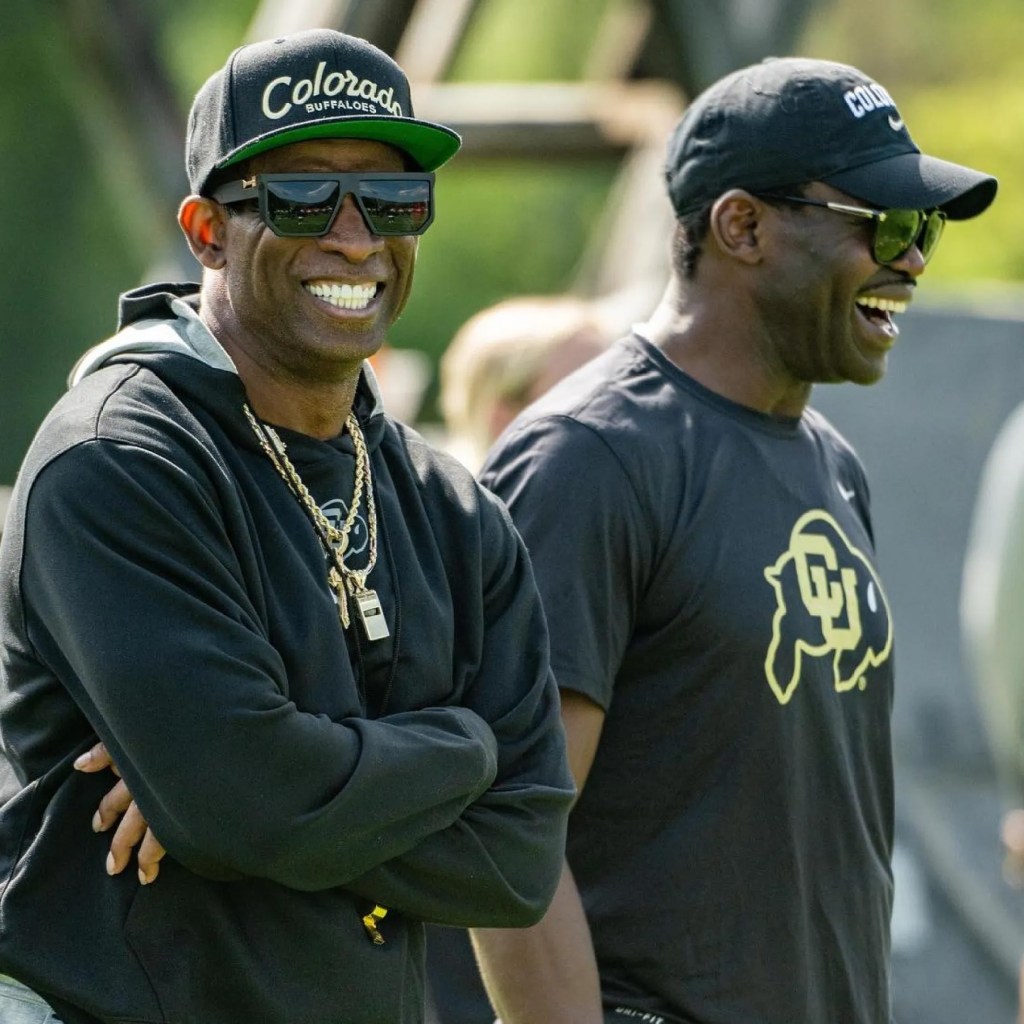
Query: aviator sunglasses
[895,230]
[305,205]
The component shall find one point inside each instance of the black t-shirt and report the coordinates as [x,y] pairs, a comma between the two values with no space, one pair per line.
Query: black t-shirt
[708,577]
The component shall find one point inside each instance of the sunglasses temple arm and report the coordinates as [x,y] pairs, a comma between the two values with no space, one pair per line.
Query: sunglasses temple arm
[234,192]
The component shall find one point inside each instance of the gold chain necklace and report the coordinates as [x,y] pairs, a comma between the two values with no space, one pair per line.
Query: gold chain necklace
[345,582]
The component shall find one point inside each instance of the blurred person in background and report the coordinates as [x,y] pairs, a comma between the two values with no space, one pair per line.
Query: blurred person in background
[502,358]
[505,357]
[704,547]
[311,644]
[991,608]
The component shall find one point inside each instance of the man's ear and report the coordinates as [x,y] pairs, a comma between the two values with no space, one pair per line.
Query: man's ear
[736,225]
[204,223]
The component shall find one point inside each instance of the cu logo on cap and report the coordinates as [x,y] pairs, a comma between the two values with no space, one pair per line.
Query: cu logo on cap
[865,98]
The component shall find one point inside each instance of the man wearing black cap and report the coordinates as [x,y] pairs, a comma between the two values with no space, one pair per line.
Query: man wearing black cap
[312,645]
[703,545]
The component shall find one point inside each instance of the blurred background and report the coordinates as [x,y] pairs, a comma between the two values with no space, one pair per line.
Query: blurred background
[565,106]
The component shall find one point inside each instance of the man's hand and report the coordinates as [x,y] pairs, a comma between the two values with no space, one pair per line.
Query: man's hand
[132,831]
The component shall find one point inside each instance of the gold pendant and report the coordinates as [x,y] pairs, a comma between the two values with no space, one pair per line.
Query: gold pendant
[370,611]
[340,595]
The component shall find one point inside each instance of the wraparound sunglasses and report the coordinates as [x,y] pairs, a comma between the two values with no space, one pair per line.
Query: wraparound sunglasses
[895,230]
[305,205]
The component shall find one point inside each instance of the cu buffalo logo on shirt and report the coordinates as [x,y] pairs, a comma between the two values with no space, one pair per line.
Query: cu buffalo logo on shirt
[829,605]
[336,512]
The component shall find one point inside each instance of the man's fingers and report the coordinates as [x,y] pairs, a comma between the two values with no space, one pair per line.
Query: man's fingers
[151,852]
[111,807]
[132,830]
[95,760]
[127,836]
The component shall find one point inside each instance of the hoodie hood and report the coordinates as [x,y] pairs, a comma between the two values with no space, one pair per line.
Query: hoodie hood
[158,320]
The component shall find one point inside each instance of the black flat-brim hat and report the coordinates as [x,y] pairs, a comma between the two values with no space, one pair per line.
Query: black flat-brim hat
[309,85]
[788,121]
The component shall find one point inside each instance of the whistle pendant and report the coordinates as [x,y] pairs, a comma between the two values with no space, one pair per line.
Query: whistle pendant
[370,611]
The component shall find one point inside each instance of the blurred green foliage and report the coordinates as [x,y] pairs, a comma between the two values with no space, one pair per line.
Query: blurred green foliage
[64,249]
[953,66]
[503,228]
[57,250]
[528,41]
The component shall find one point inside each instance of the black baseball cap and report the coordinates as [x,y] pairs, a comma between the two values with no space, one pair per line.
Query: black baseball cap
[315,84]
[791,120]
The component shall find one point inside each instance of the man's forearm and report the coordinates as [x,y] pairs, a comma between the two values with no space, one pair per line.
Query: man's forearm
[546,974]
[496,867]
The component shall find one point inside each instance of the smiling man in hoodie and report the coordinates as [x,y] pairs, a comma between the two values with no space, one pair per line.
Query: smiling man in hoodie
[312,645]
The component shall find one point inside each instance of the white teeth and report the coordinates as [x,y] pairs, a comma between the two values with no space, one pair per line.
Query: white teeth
[344,296]
[885,305]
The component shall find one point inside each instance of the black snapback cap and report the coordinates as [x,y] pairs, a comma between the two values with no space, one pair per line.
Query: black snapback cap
[791,120]
[308,85]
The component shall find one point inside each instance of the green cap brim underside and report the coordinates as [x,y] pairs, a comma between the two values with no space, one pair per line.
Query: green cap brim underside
[428,144]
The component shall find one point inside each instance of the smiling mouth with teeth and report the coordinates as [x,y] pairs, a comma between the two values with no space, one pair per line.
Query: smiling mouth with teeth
[880,311]
[343,296]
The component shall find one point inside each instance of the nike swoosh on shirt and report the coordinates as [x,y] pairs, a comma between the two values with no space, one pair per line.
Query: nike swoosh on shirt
[847,493]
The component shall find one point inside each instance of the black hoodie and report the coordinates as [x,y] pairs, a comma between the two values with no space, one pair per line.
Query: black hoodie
[162,590]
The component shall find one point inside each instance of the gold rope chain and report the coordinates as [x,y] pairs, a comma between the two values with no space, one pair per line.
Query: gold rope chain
[345,582]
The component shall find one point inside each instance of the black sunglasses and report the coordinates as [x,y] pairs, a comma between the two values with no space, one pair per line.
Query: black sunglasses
[305,205]
[895,230]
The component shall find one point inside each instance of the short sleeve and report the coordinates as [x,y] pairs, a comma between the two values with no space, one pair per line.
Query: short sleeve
[576,509]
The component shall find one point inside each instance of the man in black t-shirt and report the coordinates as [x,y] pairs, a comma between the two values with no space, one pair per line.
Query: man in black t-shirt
[703,545]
